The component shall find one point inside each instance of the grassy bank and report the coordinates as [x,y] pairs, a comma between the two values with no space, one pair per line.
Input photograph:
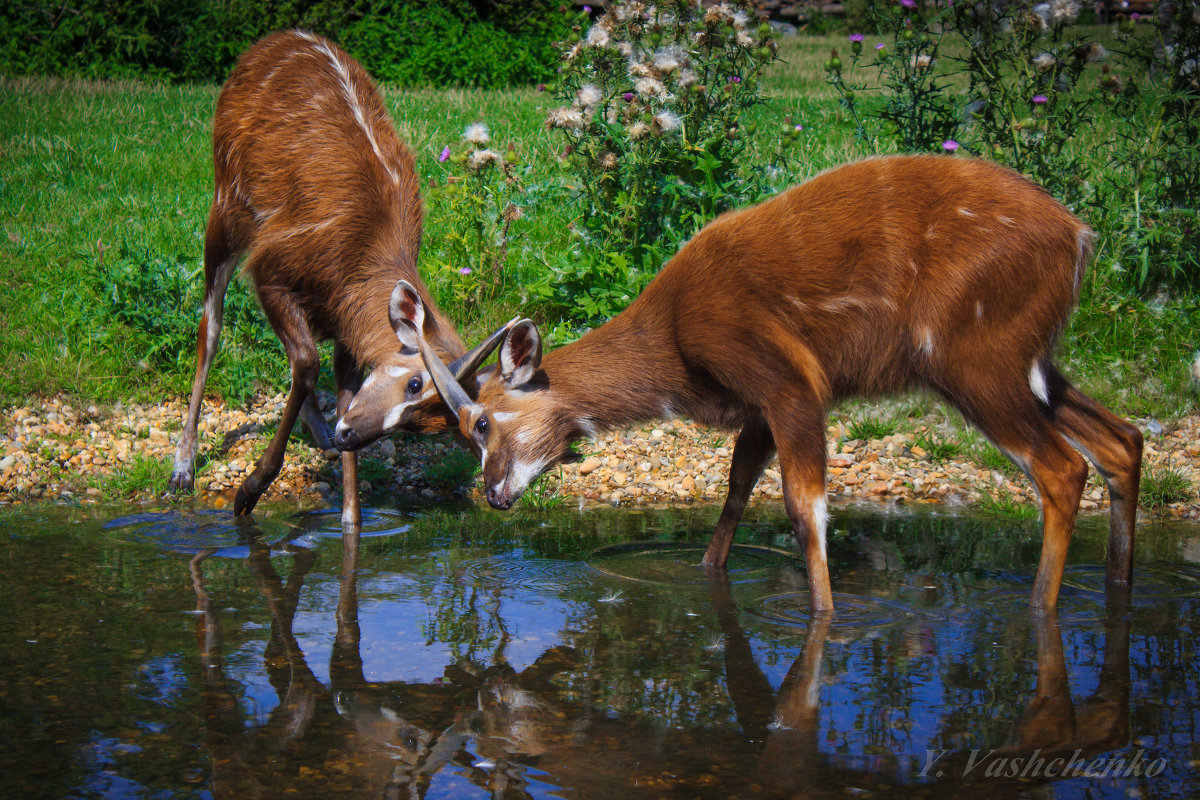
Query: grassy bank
[104,192]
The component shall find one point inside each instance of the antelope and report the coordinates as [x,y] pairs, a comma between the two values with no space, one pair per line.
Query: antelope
[314,184]
[889,274]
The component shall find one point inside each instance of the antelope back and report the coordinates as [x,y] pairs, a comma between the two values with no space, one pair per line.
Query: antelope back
[313,179]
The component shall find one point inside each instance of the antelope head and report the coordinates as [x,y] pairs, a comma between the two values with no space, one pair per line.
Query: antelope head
[518,427]
[398,393]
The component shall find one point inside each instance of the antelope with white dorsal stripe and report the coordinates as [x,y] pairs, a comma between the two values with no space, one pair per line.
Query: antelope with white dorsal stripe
[949,274]
[314,184]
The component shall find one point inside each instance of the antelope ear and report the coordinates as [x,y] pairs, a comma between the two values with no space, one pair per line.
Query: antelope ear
[520,354]
[406,312]
[466,365]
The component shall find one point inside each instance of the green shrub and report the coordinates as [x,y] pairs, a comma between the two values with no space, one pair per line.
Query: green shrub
[654,145]
[429,42]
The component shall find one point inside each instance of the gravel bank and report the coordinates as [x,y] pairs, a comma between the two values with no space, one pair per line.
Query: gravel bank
[55,451]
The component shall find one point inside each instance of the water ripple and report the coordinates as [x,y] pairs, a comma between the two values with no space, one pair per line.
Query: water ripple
[793,610]
[676,563]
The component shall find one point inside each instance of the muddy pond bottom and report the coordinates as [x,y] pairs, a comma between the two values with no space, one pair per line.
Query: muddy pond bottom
[447,653]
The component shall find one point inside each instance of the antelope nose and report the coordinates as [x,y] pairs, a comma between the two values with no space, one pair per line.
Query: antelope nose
[496,500]
[345,438]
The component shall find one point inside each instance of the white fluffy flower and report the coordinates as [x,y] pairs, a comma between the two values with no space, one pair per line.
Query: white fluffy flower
[744,39]
[1044,61]
[638,129]
[599,36]
[686,78]
[922,61]
[1064,12]
[565,118]
[589,96]
[625,49]
[481,158]
[665,122]
[666,61]
[649,87]
[477,134]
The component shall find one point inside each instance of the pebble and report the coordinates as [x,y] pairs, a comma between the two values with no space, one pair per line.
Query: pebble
[55,451]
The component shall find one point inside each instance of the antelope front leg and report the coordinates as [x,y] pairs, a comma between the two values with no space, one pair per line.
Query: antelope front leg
[349,381]
[753,450]
[288,319]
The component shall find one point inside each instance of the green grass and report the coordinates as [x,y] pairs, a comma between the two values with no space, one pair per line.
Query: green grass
[1007,507]
[143,475]
[97,174]
[868,428]
[454,469]
[937,449]
[1162,486]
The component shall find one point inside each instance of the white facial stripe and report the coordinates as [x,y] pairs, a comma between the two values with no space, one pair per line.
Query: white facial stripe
[522,473]
[396,371]
[504,416]
[393,416]
[370,379]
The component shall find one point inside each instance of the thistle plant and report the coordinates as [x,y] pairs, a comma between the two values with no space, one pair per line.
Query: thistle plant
[1152,189]
[918,110]
[480,196]
[654,142]
[1024,64]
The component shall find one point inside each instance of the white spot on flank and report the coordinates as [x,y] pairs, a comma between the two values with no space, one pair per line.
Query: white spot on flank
[667,411]
[966,213]
[393,417]
[1005,220]
[1037,382]
[588,426]
[927,343]
[979,310]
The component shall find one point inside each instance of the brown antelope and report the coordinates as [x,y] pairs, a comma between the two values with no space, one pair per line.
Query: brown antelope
[314,184]
[888,274]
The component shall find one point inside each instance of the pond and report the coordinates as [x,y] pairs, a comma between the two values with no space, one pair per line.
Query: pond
[463,652]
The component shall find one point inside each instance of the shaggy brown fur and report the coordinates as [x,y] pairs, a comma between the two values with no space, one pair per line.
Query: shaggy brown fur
[951,274]
[313,183]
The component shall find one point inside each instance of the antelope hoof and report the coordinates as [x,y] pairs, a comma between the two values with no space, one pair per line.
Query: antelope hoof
[245,499]
[180,483]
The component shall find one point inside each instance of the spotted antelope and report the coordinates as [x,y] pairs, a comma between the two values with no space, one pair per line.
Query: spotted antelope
[315,188]
[948,274]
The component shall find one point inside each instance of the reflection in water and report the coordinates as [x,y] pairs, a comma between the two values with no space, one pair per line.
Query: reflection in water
[516,733]
[290,659]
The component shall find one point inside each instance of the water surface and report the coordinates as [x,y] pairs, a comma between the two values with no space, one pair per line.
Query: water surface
[468,653]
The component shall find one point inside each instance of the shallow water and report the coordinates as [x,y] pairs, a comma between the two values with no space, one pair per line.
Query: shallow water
[464,652]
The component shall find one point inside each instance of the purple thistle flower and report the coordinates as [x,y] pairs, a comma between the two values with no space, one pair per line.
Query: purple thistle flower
[909,3]
[587,9]
[736,79]
[1040,99]
[465,271]
[445,155]
[949,145]
[879,46]
[856,37]
[799,127]
[627,97]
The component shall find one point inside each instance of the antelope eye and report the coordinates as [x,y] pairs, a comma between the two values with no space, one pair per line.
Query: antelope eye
[481,426]
[414,385]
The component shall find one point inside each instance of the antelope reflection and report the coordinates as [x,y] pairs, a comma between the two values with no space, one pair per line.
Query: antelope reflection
[517,733]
